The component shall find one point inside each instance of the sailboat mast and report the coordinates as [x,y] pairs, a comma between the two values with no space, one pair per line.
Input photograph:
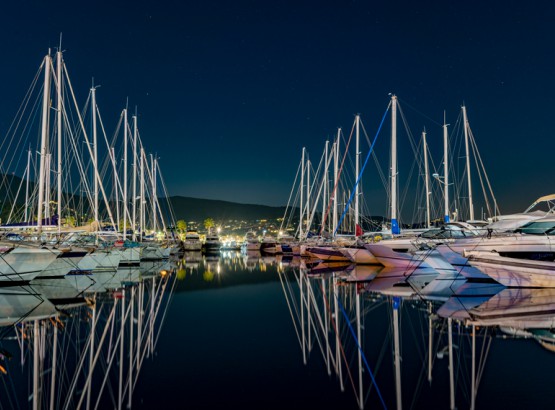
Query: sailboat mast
[445,171]
[116,186]
[325,198]
[44,138]
[301,203]
[47,185]
[95,153]
[27,186]
[124,201]
[427,179]
[156,203]
[59,114]
[394,224]
[307,207]
[153,167]
[335,177]
[143,199]
[470,203]
[134,201]
[357,170]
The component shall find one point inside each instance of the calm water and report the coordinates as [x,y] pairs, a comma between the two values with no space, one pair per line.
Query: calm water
[246,331]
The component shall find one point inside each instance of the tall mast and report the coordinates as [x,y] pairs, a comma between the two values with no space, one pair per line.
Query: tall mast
[426,177]
[156,203]
[47,184]
[134,212]
[470,204]
[44,138]
[325,198]
[307,207]
[113,151]
[357,166]
[59,113]
[95,153]
[335,177]
[445,171]
[142,203]
[394,224]
[27,185]
[301,203]
[124,201]
[153,182]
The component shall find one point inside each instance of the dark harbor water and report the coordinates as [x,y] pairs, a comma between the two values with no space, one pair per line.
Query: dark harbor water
[252,331]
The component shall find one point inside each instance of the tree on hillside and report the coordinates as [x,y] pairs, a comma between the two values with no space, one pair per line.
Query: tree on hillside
[181,226]
[208,224]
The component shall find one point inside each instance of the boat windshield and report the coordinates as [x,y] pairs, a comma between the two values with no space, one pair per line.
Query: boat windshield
[445,233]
[538,228]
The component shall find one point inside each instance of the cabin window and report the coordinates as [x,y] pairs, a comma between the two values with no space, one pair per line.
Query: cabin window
[537,228]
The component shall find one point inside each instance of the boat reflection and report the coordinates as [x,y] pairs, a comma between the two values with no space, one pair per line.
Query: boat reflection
[228,261]
[350,315]
[81,340]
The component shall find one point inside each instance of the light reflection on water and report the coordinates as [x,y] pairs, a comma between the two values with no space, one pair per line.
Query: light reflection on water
[256,326]
[390,346]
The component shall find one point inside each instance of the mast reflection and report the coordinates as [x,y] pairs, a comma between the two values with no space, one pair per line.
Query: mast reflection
[433,324]
[81,340]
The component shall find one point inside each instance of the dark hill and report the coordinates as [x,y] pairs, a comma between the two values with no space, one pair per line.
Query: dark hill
[196,209]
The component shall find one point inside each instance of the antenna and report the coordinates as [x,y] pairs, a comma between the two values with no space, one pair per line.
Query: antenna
[60,47]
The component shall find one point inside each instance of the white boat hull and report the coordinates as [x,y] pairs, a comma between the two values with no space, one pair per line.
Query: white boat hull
[25,264]
[360,256]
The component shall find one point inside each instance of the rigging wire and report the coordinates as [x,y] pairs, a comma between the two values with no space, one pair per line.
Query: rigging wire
[363,167]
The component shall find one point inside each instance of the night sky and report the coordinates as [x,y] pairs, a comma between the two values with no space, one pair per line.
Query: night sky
[228,92]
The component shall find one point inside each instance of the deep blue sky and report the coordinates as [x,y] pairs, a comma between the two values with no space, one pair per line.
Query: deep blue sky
[228,92]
